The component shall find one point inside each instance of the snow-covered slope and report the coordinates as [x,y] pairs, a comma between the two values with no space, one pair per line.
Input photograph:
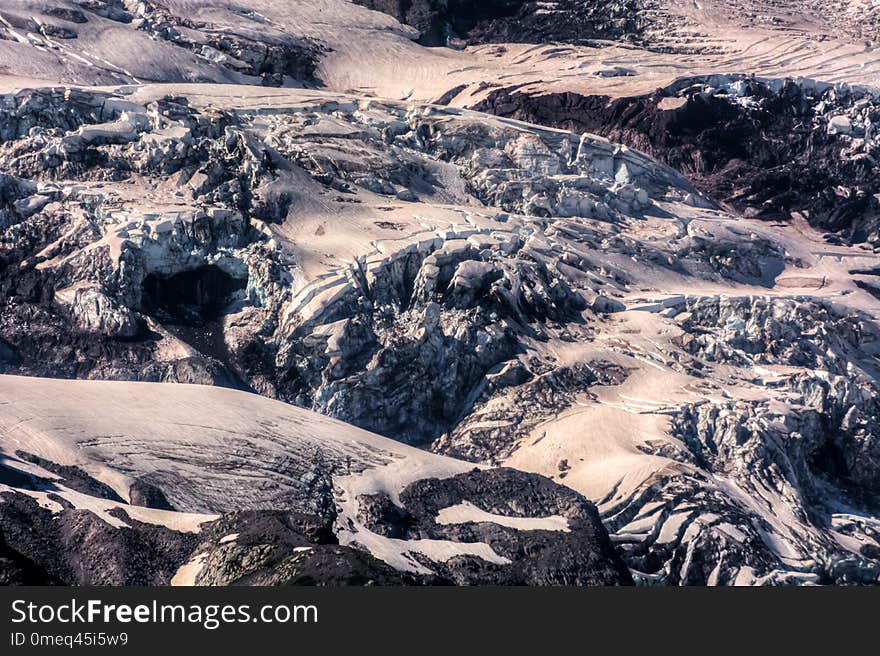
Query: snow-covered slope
[210,450]
[616,48]
[179,456]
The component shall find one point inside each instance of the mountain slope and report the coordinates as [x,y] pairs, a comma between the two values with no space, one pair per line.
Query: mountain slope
[291,199]
[502,292]
[615,48]
[158,464]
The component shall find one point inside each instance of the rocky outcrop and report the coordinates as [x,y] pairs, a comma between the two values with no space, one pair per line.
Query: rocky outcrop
[574,551]
[67,545]
[273,549]
[281,549]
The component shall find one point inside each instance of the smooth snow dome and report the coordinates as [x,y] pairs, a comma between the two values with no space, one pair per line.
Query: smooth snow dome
[216,449]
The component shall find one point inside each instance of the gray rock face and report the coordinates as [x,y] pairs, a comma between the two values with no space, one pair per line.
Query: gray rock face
[97,313]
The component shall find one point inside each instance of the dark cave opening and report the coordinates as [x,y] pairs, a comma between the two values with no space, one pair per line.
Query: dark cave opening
[190,298]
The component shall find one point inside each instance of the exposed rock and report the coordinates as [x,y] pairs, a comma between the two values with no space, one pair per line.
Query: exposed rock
[274,548]
[66,545]
[143,493]
[764,146]
[578,554]
[351,534]
[73,477]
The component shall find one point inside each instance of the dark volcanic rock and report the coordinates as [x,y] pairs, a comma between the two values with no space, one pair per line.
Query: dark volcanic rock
[517,21]
[73,477]
[67,14]
[143,493]
[583,555]
[383,516]
[17,569]
[76,547]
[283,548]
